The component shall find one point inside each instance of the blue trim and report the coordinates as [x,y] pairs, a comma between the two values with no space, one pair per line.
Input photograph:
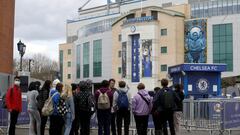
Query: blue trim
[185,80]
[219,90]
[73,21]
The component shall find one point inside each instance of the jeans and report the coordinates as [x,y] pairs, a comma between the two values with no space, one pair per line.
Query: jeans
[113,123]
[34,116]
[13,122]
[104,119]
[141,124]
[56,125]
[123,115]
[85,122]
[68,123]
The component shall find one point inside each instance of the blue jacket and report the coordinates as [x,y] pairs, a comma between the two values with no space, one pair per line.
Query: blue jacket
[55,99]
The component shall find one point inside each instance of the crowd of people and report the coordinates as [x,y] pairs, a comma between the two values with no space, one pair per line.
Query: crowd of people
[69,108]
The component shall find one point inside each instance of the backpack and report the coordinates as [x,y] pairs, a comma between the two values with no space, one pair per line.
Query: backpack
[4,104]
[103,101]
[168,99]
[62,107]
[86,102]
[47,109]
[122,101]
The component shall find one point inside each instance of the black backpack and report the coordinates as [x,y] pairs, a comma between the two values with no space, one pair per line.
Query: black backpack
[86,102]
[168,99]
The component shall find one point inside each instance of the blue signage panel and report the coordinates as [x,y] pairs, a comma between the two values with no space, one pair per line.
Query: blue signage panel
[135,58]
[232,115]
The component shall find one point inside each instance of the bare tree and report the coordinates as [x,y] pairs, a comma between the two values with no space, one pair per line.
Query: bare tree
[42,67]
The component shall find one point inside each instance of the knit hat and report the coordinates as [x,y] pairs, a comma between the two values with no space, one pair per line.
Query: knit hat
[55,82]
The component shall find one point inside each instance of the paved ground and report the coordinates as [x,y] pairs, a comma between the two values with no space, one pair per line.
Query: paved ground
[24,131]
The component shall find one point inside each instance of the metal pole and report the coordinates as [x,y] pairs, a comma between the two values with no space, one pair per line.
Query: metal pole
[29,65]
[21,63]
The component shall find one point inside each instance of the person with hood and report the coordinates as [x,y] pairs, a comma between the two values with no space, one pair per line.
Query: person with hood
[34,114]
[122,106]
[42,97]
[141,108]
[85,106]
[14,104]
[166,104]
[56,120]
[104,98]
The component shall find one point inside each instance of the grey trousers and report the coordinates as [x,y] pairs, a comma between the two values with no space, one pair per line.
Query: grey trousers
[34,118]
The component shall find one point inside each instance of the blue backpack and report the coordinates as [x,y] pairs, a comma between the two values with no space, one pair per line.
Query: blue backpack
[122,101]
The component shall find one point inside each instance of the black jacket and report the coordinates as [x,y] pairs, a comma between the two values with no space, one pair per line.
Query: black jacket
[42,97]
[181,95]
[159,100]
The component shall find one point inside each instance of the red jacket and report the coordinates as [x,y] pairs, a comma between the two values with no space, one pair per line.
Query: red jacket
[14,99]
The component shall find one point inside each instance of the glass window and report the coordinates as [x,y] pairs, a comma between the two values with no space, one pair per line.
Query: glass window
[69,76]
[78,61]
[69,63]
[163,67]
[143,14]
[69,51]
[119,37]
[119,70]
[163,49]
[154,14]
[223,50]
[97,58]
[163,32]
[86,60]
[119,54]
[61,64]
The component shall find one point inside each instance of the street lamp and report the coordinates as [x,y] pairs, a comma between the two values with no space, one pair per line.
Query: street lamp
[29,62]
[21,49]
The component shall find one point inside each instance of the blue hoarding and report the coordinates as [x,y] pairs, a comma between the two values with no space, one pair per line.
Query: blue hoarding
[135,58]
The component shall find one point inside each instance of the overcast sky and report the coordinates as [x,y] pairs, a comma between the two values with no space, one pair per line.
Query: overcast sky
[41,24]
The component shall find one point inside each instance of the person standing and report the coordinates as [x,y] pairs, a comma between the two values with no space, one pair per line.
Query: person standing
[34,114]
[85,106]
[122,106]
[103,98]
[166,104]
[113,114]
[70,115]
[141,107]
[42,97]
[56,120]
[178,112]
[76,121]
[14,104]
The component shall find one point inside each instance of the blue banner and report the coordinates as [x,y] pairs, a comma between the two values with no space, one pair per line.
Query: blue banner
[135,58]
[232,114]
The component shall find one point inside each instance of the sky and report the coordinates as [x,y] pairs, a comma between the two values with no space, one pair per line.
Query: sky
[41,24]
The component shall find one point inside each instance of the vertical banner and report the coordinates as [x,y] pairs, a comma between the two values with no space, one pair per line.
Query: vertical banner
[195,48]
[135,58]
[147,58]
[124,59]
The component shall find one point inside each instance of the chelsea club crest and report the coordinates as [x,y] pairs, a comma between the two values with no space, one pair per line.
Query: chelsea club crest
[202,85]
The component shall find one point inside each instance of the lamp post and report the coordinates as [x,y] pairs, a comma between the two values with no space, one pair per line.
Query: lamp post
[29,64]
[21,49]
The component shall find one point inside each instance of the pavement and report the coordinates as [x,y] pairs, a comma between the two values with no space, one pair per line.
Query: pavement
[24,131]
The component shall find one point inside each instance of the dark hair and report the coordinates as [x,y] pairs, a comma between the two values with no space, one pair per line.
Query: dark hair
[105,83]
[16,77]
[47,85]
[112,80]
[38,84]
[74,86]
[140,86]
[122,84]
[32,86]
[178,87]
[164,82]
[59,87]
[156,89]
